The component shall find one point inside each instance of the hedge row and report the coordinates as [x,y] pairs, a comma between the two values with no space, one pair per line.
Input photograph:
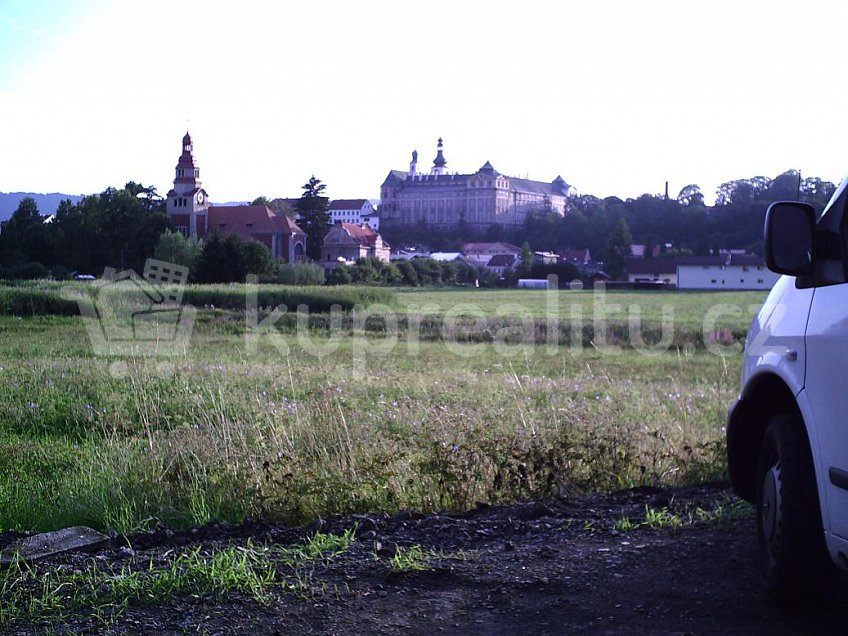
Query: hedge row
[29,301]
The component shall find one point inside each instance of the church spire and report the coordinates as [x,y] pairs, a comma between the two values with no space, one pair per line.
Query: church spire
[186,202]
[439,162]
[413,165]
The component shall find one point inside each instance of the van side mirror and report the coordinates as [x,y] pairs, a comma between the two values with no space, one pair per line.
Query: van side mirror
[789,237]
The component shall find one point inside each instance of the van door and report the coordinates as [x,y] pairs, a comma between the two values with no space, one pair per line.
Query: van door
[827,389]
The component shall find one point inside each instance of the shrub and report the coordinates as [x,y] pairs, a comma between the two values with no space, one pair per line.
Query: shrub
[35,302]
[27,271]
[299,274]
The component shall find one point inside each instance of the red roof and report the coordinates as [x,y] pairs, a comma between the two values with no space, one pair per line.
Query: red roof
[349,204]
[249,220]
[362,233]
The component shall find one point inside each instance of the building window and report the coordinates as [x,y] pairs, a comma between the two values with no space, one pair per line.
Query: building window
[713,281]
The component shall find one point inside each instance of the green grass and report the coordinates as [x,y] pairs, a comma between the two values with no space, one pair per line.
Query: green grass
[269,429]
[664,517]
[688,307]
[417,559]
[51,595]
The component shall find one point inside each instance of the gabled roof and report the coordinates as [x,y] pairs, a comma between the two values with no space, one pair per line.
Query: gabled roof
[446,256]
[249,220]
[344,233]
[506,248]
[349,204]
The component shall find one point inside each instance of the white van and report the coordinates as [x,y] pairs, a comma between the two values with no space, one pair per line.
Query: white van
[787,434]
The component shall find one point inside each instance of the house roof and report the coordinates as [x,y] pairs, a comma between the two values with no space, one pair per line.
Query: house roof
[342,233]
[652,266]
[446,256]
[249,220]
[723,260]
[575,255]
[285,201]
[501,260]
[505,248]
[349,204]
[747,259]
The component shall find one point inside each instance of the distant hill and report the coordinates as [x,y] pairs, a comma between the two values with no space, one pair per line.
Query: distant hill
[47,203]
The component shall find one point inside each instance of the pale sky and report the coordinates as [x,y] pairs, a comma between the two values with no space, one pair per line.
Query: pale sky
[616,96]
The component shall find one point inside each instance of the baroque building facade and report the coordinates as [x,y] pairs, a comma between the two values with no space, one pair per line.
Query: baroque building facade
[444,200]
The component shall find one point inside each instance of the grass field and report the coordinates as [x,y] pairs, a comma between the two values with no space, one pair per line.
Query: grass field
[301,425]
[687,307]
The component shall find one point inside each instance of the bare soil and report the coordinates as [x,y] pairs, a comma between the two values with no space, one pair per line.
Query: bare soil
[551,567]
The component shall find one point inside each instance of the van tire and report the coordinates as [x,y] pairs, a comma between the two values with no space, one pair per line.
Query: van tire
[793,554]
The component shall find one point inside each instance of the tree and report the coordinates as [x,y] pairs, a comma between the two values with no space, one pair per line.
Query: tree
[117,228]
[25,237]
[816,192]
[690,195]
[525,262]
[618,251]
[173,247]
[257,258]
[314,220]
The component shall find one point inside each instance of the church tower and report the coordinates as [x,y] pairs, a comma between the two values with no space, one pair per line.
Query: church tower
[439,162]
[187,204]
[413,165]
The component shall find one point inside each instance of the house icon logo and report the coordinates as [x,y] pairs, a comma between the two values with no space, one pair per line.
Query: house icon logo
[130,317]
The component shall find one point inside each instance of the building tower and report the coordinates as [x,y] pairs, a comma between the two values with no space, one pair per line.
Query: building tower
[187,203]
[439,162]
[413,165]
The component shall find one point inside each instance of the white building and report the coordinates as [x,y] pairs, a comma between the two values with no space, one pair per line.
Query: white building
[356,211]
[726,271]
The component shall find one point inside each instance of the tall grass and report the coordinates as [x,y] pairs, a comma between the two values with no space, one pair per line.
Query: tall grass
[291,437]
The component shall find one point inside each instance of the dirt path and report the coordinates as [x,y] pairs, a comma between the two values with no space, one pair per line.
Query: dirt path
[543,568]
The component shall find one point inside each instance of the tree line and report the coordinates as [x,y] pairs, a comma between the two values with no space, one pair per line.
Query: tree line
[122,227]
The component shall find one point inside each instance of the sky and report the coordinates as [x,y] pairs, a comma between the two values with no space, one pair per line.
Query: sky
[618,97]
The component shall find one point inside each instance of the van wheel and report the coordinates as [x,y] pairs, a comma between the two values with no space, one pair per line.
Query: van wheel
[793,554]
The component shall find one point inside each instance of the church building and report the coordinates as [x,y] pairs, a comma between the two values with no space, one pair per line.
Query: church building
[443,200]
[188,206]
